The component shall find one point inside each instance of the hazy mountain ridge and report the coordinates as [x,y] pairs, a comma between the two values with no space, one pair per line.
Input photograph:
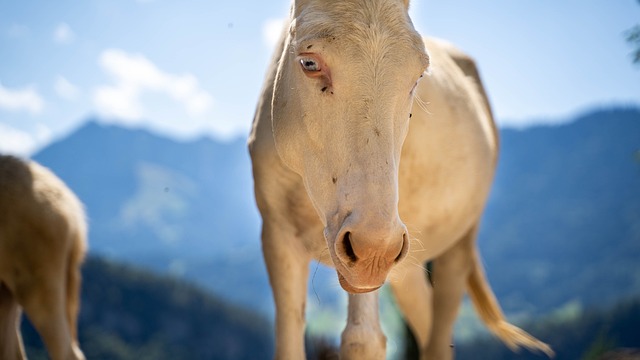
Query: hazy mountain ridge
[563,214]
[148,187]
[184,207]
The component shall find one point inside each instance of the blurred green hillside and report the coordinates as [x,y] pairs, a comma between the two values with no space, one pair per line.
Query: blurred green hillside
[585,335]
[131,314]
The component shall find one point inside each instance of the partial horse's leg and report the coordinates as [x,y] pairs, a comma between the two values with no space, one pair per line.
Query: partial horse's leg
[414,297]
[288,267]
[11,347]
[363,338]
[74,278]
[43,297]
[450,273]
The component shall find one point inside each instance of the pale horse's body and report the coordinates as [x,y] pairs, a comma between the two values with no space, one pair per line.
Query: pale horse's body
[42,245]
[339,170]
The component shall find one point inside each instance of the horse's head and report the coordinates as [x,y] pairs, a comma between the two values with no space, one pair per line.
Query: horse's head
[341,109]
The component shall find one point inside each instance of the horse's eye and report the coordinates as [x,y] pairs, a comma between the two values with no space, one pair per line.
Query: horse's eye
[415,85]
[309,64]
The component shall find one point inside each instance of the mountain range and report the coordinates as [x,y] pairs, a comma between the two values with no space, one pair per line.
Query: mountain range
[561,228]
[184,208]
[562,225]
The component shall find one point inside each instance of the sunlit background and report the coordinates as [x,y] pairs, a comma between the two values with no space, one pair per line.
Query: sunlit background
[185,68]
[143,108]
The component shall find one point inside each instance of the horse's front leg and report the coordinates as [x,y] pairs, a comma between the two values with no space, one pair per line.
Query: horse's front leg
[414,297]
[363,338]
[450,274]
[288,266]
[11,347]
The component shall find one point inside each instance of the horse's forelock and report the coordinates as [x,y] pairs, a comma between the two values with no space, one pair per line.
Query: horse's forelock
[371,28]
[355,19]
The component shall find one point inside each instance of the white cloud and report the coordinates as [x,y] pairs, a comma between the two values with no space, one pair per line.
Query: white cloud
[26,99]
[63,34]
[18,142]
[121,101]
[134,75]
[271,31]
[65,89]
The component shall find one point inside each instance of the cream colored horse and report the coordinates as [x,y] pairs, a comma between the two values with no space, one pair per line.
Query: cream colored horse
[337,164]
[42,243]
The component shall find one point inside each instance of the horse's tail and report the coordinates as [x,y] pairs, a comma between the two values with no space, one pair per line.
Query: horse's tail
[487,307]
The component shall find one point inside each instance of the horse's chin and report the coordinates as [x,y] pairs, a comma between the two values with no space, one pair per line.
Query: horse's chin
[353,289]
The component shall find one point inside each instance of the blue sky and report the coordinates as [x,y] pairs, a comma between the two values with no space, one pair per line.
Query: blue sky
[188,68]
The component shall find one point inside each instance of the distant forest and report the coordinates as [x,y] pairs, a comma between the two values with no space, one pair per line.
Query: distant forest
[586,335]
[129,314]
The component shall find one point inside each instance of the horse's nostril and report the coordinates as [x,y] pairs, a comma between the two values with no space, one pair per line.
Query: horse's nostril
[348,248]
[403,249]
